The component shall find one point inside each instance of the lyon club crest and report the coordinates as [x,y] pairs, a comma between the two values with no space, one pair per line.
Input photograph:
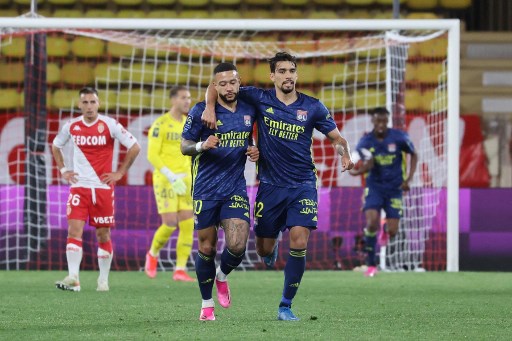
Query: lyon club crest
[302,115]
[391,147]
[247,120]
[101,128]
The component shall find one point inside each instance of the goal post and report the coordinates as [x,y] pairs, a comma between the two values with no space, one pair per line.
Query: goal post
[184,50]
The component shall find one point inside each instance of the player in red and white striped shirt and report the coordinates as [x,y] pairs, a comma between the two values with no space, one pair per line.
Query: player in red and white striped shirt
[92,182]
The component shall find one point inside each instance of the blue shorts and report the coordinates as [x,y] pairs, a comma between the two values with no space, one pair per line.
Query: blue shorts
[390,200]
[211,212]
[278,208]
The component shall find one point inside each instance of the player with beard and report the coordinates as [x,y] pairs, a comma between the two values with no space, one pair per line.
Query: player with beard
[287,194]
[219,186]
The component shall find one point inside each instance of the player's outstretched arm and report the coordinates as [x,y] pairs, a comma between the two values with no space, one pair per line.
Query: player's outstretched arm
[342,147]
[208,117]
[131,154]
[412,170]
[189,147]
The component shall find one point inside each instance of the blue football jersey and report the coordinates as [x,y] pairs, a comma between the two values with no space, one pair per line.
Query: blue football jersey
[285,136]
[389,162]
[219,172]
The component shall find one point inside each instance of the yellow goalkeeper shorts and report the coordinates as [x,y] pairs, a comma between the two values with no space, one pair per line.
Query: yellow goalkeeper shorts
[166,200]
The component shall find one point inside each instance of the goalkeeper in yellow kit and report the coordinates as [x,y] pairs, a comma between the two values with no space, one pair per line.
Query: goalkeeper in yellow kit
[172,182]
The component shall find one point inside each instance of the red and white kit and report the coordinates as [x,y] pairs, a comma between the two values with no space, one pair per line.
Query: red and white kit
[93,149]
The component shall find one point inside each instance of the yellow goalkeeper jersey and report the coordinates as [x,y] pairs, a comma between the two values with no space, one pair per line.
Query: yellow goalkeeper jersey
[164,139]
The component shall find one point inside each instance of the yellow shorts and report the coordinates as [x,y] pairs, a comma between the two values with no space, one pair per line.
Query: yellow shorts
[166,200]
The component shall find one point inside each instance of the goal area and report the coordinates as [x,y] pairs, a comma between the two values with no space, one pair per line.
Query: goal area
[353,66]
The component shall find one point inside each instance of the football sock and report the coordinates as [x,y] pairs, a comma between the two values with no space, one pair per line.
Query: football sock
[293,271]
[228,262]
[205,270]
[74,256]
[161,237]
[105,254]
[184,243]
[370,240]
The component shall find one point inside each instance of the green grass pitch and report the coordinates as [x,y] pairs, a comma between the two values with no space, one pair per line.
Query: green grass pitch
[331,305]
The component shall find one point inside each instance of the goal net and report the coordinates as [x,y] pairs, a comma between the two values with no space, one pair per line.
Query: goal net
[350,70]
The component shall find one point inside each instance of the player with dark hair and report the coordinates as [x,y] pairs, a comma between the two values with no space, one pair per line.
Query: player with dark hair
[382,152]
[220,190]
[172,182]
[91,195]
[287,194]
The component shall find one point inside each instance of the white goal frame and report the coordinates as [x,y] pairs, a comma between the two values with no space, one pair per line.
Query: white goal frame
[452,26]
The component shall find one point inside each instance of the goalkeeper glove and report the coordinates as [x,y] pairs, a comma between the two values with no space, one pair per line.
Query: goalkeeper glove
[177,184]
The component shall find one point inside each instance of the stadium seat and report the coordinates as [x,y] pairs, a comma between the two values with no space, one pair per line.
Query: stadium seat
[293,2]
[14,47]
[359,2]
[226,14]
[410,72]
[9,99]
[226,3]
[294,42]
[7,12]
[160,99]
[329,72]
[414,50]
[131,3]
[77,74]
[64,99]
[289,14]
[12,73]
[429,72]
[356,14]
[22,2]
[120,50]
[67,13]
[259,2]
[308,73]
[110,73]
[246,71]
[262,73]
[57,46]
[323,15]
[134,99]
[140,73]
[108,99]
[193,3]
[435,48]
[171,73]
[421,15]
[86,47]
[163,3]
[60,3]
[328,2]
[422,4]
[194,14]
[197,94]
[94,3]
[131,13]
[427,97]
[99,13]
[201,74]
[412,100]
[257,14]
[382,15]
[162,14]
[371,98]
[455,4]
[334,98]
[52,73]
[370,72]
[388,2]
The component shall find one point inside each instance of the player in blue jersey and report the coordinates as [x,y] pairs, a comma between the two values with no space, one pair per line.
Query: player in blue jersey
[287,194]
[382,154]
[219,186]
